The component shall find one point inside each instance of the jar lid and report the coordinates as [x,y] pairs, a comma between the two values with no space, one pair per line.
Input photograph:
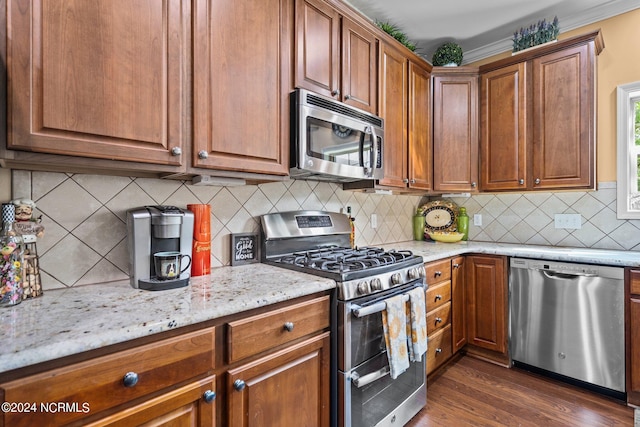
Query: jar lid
[8,212]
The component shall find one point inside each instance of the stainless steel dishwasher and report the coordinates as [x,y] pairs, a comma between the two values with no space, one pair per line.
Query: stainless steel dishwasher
[568,319]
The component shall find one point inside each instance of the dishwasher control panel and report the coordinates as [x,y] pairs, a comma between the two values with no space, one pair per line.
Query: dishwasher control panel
[567,268]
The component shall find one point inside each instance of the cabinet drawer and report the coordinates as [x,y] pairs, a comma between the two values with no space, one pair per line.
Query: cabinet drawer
[262,332]
[99,383]
[438,318]
[438,295]
[634,278]
[439,349]
[438,271]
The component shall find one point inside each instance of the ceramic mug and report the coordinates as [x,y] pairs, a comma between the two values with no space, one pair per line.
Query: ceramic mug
[168,264]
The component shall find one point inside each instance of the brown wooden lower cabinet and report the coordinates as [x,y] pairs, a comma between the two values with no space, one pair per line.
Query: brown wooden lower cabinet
[439,349]
[286,388]
[190,405]
[633,336]
[487,302]
[458,304]
[107,383]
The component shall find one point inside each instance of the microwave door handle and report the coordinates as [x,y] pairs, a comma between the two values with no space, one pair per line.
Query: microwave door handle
[374,151]
[361,150]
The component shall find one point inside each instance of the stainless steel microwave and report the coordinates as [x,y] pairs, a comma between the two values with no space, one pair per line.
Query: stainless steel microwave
[332,141]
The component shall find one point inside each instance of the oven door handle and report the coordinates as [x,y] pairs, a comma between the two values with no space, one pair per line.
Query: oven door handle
[359,311]
[361,381]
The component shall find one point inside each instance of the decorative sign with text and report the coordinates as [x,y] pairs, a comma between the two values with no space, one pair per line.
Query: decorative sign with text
[245,248]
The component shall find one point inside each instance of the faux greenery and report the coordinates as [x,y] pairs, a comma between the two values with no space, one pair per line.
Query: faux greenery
[448,53]
[534,35]
[396,33]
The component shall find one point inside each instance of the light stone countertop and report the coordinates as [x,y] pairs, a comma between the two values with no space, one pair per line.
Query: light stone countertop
[63,322]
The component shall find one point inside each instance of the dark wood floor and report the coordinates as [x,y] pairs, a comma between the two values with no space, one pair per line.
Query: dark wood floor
[472,392]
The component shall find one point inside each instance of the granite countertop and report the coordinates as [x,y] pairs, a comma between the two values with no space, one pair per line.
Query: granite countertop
[63,322]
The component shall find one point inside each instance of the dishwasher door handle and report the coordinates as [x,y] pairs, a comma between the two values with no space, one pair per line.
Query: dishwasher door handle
[552,274]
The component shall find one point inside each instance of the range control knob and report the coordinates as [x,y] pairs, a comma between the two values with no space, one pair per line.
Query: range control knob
[363,288]
[376,284]
[417,272]
[396,279]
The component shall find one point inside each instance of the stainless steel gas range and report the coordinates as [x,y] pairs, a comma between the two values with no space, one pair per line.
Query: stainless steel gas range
[317,242]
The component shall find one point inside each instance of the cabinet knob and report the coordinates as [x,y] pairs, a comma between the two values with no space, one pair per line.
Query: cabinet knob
[209,396]
[438,273]
[335,92]
[406,181]
[130,379]
[412,181]
[438,297]
[239,385]
[474,185]
[521,181]
[438,319]
[288,326]
[176,151]
[456,265]
[202,154]
[347,97]
[438,350]
[536,181]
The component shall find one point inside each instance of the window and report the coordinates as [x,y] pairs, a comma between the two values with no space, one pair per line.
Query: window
[629,151]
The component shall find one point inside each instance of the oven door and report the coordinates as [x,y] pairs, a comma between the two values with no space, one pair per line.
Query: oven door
[366,393]
[371,398]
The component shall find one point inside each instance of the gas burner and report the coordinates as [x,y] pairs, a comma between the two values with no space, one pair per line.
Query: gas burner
[344,259]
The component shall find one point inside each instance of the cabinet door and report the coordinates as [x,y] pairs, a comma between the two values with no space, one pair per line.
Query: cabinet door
[103,80]
[317,53]
[287,388]
[487,302]
[563,107]
[504,129]
[633,336]
[393,91]
[241,85]
[359,65]
[420,164]
[458,304]
[455,133]
[190,405]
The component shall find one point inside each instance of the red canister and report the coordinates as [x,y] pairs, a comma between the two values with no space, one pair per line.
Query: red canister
[201,250]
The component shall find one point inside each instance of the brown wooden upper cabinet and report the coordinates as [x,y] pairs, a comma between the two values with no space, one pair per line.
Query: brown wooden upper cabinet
[404,90]
[241,85]
[101,80]
[455,129]
[334,55]
[538,117]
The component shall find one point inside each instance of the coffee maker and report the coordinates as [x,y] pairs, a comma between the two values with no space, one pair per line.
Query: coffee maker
[152,229]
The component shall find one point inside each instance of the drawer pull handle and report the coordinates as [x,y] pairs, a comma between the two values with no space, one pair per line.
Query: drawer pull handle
[288,326]
[438,297]
[438,319]
[438,350]
[438,273]
[130,379]
[209,396]
[239,385]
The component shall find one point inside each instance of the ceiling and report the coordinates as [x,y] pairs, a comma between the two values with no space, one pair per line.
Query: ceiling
[483,28]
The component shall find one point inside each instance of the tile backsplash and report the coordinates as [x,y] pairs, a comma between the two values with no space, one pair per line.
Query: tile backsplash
[85,233]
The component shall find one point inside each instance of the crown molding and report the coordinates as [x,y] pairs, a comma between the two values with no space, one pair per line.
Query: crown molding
[587,17]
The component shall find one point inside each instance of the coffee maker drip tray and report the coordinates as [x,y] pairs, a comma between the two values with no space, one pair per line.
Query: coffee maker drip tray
[154,284]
